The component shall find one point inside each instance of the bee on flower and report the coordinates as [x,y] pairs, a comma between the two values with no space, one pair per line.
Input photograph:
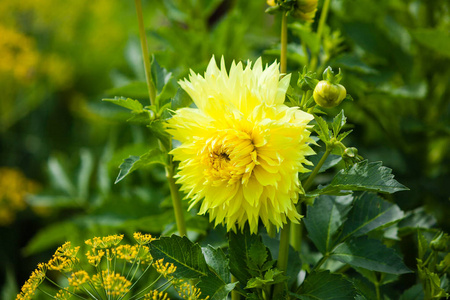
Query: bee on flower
[241,148]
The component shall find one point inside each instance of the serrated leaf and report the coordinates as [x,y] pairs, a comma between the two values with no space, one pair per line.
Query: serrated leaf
[133,105]
[325,286]
[132,163]
[218,261]
[239,245]
[214,287]
[338,122]
[159,131]
[413,293]
[422,244]
[343,135]
[181,99]
[370,254]
[323,220]
[271,277]
[322,129]
[364,176]
[180,251]
[257,255]
[370,212]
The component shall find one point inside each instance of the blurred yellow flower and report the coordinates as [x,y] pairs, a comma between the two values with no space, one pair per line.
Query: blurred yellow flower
[242,148]
[14,187]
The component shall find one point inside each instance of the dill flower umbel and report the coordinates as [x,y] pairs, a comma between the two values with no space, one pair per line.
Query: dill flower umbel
[241,148]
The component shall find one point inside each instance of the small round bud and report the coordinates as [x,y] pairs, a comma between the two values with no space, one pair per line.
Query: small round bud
[327,94]
[440,243]
[351,152]
[305,10]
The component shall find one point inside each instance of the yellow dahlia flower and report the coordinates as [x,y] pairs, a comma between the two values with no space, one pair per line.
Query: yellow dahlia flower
[241,148]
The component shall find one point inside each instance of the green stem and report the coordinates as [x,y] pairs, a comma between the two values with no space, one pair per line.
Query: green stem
[377,290]
[283,55]
[311,177]
[147,65]
[234,294]
[321,261]
[176,199]
[296,232]
[323,18]
[283,254]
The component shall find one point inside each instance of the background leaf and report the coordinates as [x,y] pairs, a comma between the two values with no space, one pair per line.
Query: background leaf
[132,163]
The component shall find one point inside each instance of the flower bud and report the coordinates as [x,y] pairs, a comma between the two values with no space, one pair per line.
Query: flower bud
[327,94]
[440,243]
[305,10]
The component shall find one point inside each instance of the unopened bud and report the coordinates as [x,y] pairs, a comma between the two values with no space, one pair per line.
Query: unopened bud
[327,94]
[440,243]
[305,10]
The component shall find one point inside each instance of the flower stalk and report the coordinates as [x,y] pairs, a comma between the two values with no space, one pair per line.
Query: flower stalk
[322,20]
[144,47]
[283,55]
[176,199]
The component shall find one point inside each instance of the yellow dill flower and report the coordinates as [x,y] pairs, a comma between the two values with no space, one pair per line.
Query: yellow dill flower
[189,292]
[37,277]
[127,252]
[155,295]
[165,269]
[113,283]
[63,294]
[144,255]
[67,250]
[77,279]
[94,256]
[62,263]
[142,239]
[104,242]
[242,148]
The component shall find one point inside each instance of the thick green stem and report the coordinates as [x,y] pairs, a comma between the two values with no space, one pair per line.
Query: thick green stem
[296,232]
[316,170]
[283,55]
[176,199]
[323,19]
[283,254]
[147,66]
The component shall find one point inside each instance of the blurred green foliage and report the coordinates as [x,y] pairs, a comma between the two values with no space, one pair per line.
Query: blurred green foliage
[58,60]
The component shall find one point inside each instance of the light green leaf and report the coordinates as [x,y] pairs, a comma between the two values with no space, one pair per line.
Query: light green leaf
[133,163]
[50,237]
[85,172]
[160,76]
[322,129]
[370,212]
[323,220]
[135,90]
[370,254]
[180,251]
[59,177]
[133,105]
[325,286]
[338,122]
[364,176]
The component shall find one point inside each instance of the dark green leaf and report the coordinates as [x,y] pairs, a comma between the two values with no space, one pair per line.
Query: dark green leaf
[160,76]
[159,131]
[239,245]
[435,39]
[323,220]
[218,261]
[214,287]
[325,286]
[49,237]
[330,162]
[257,255]
[370,254]
[133,105]
[133,163]
[181,99]
[180,251]
[352,62]
[413,293]
[370,212]
[364,176]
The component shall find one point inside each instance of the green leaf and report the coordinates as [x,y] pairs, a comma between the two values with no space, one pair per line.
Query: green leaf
[307,36]
[59,177]
[135,90]
[325,286]
[435,39]
[181,99]
[413,293]
[85,172]
[370,212]
[214,287]
[338,122]
[160,76]
[322,129]
[257,255]
[239,246]
[352,62]
[331,161]
[180,251]
[218,261]
[364,176]
[323,219]
[370,254]
[133,163]
[271,277]
[133,105]
[50,237]
[159,131]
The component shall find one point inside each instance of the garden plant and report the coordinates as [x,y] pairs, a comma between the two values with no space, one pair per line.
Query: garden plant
[249,163]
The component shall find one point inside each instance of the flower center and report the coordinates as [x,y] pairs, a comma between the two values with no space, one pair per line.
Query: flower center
[228,157]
